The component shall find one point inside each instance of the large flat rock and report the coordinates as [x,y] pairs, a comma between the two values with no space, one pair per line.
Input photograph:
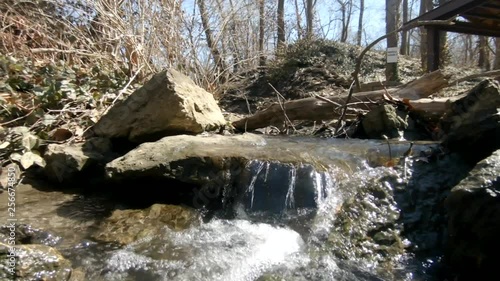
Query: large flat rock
[168,104]
[262,171]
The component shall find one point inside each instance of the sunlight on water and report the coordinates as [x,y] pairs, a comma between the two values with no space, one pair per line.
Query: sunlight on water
[220,250]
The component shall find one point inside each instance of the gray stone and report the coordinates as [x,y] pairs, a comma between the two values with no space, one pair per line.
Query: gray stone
[265,173]
[383,120]
[474,122]
[474,226]
[170,103]
[65,162]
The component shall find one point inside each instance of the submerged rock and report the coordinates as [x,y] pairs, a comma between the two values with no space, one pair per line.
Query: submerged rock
[170,103]
[26,234]
[474,226]
[65,163]
[474,122]
[126,226]
[33,262]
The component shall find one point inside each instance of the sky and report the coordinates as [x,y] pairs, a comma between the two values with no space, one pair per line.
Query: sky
[374,18]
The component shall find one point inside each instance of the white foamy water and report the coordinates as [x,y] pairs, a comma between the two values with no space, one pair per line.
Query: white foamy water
[220,250]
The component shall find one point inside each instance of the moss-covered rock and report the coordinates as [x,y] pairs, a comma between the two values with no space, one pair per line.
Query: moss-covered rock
[127,226]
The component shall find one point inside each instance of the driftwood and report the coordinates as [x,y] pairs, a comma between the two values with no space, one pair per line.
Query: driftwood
[326,108]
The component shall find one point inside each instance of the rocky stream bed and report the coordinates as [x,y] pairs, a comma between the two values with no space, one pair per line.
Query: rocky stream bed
[164,188]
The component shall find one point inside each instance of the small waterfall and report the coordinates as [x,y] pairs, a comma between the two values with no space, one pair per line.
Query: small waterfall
[251,186]
[276,188]
[290,195]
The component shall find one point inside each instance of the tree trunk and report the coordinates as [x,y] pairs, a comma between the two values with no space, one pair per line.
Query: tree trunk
[320,109]
[444,53]
[345,25]
[484,54]
[262,60]
[497,53]
[360,22]
[391,69]
[233,43]
[309,18]
[425,5]
[404,34]
[281,24]
[300,32]
[219,63]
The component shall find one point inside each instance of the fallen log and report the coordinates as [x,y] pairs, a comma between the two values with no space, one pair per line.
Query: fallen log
[326,108]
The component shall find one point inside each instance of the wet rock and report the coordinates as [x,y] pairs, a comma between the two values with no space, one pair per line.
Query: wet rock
[264,173]
[126,226]
[170,103]
[385,218]
[68,162]
[383,120]
[474,228]
[248,167]
[33,262]
[474,122]
[25,234]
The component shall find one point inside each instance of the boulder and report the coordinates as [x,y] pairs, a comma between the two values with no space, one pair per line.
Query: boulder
[262,172]
[68,162]
[168,104]
[33,262]
[383,120]
[473,121]
[126,226]
[474,227]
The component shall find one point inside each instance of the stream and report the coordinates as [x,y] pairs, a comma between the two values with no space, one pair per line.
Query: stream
[367,222]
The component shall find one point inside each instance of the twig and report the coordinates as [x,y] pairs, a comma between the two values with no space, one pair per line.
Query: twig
[120,93]
[327,100]
[388,145]
[344,109]
[283,107]
[248,104]
[53,50]
[18,118]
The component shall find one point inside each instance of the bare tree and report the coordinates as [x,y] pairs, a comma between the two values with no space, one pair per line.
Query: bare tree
[425,5]
[262,60]
[219,63]
[484,53]
[298,18]
[360,22]
[392,8]
[281,23]
[346,12]
[496,64]
[309,17]
[404,34]
[444,54]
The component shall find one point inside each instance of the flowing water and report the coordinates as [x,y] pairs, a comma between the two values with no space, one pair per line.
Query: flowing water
[285,222]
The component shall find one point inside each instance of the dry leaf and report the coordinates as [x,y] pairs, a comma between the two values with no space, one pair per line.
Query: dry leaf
[29,159]
[60,134]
